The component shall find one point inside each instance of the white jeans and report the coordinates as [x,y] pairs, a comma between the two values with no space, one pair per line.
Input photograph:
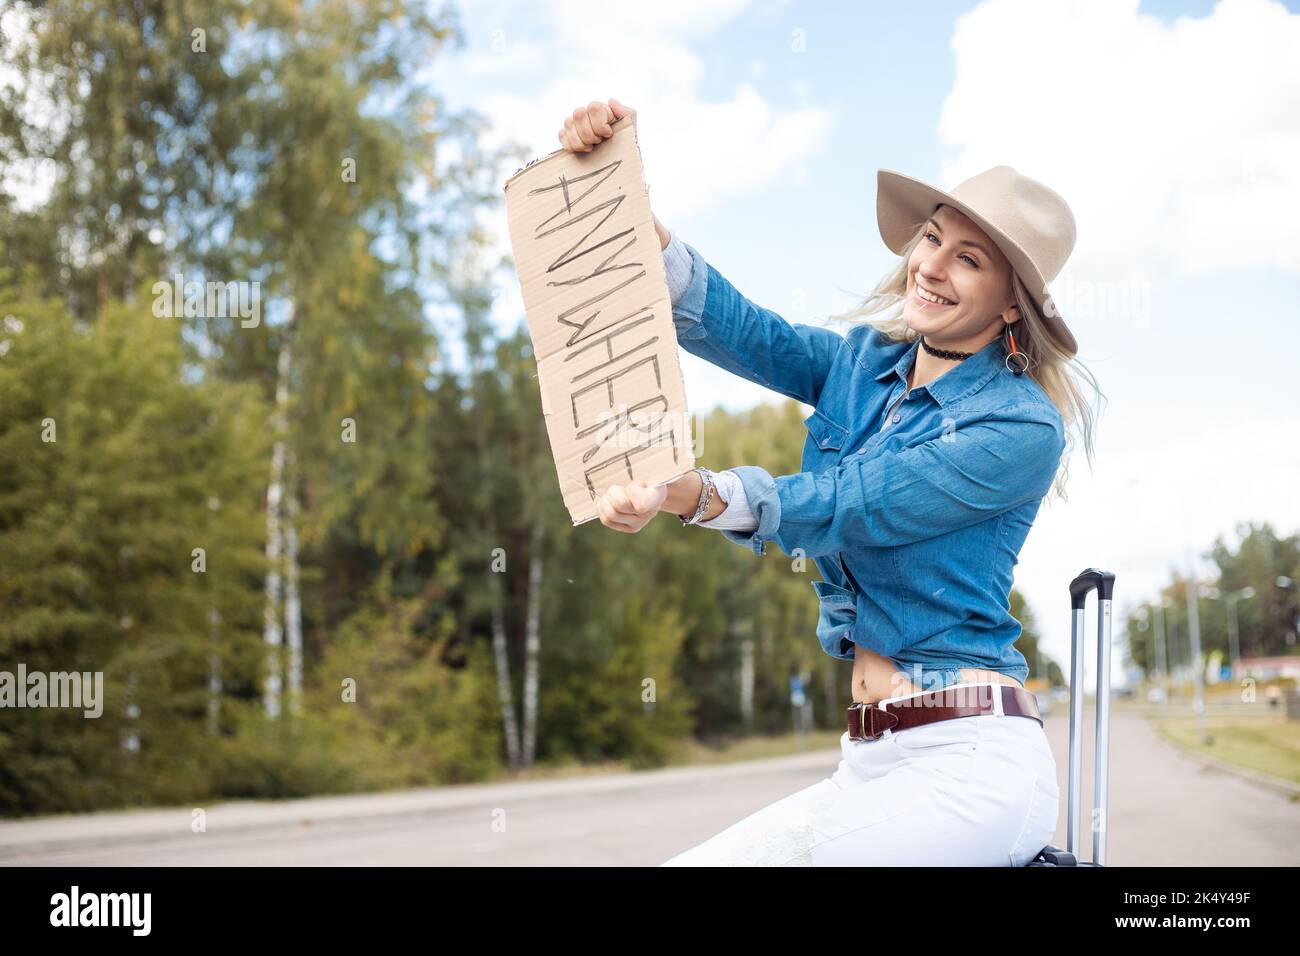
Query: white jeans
[971,791]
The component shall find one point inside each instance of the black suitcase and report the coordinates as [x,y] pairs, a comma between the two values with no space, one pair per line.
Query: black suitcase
[1104,583]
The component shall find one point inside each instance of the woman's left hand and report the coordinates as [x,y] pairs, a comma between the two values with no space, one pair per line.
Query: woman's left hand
[629,508]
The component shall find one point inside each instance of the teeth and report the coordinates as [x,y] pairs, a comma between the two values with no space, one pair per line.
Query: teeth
[932,298]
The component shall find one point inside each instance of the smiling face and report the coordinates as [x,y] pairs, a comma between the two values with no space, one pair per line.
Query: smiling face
[956,261]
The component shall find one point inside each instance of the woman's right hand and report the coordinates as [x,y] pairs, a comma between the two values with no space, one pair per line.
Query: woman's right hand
[590,124]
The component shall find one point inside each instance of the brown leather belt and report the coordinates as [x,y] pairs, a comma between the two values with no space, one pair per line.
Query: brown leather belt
[870,721]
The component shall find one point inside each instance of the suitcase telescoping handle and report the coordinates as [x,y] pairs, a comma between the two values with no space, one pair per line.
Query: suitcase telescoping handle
[1104,583]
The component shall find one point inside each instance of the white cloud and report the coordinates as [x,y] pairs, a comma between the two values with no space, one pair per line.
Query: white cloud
[642,56]
[1170,141]
[504,58]
[1146,512]
[698,152]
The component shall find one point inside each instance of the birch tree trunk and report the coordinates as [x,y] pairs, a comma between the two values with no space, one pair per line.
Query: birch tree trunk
[272,631]
[501,656]
[497,594]
[214,671]
[292,601]
[532,645]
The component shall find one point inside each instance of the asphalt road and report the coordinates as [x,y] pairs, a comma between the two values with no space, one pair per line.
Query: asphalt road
[1165,809]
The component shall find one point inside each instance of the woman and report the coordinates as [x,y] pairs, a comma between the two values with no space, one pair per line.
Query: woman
[936,433]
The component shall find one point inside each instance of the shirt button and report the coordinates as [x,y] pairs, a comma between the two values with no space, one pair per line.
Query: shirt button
[825,442]
[897,418]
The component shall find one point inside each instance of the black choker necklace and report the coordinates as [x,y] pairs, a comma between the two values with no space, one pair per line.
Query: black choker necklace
[945,353]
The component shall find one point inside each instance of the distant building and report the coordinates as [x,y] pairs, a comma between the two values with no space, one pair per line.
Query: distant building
[1267,668]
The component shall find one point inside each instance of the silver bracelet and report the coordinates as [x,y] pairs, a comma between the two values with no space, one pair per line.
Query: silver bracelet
[706,496]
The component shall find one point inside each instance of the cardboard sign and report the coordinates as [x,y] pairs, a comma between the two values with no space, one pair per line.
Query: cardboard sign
[594,289]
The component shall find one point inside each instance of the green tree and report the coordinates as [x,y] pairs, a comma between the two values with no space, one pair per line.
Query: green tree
[1261,560]
[128,516]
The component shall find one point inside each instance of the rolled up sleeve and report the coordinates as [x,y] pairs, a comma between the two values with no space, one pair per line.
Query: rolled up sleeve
[688,310]
[736,516]
[764,505]
[958,479]
[678,268]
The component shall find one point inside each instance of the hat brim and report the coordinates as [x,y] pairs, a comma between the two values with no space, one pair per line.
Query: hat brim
[904,203]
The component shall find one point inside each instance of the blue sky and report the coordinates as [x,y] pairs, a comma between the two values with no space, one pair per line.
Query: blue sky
[1171,128]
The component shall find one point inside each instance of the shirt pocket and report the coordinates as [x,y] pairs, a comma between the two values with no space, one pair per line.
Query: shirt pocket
[837,612]
[828,436]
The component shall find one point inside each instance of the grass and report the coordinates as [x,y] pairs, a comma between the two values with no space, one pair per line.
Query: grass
[1268,743]
[693,753]
[687,753]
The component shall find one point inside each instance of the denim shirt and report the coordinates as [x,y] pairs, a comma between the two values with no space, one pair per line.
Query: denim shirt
[914,509]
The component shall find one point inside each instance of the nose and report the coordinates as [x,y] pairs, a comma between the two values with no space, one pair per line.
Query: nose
[930,270]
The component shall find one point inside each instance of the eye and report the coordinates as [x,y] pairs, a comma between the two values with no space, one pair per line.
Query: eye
[964,255]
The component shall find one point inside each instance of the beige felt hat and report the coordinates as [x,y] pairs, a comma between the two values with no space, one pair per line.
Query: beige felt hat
[1030,223]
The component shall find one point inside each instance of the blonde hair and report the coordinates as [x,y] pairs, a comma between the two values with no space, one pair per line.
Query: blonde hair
[1058,373]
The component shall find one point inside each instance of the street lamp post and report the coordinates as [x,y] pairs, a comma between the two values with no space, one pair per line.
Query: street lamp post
[1284,582]
[1234,643]
[1198,669]
[1161,654]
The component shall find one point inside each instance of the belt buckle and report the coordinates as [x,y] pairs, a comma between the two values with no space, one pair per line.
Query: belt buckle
[868,721]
